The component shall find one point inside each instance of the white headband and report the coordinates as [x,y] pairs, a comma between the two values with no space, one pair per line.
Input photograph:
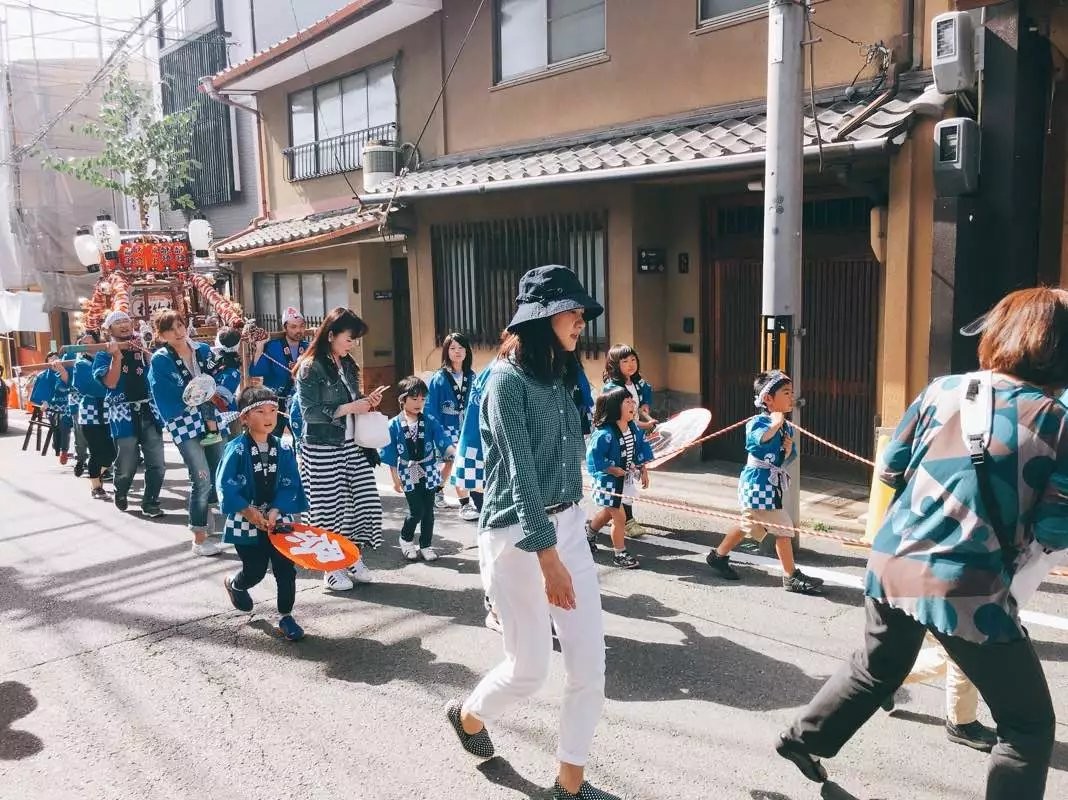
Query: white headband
[775,380]
[257,404]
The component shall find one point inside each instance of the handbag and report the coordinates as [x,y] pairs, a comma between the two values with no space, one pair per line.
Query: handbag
[372,430]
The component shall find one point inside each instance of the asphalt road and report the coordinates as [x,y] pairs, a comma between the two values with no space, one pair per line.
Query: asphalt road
[124,672]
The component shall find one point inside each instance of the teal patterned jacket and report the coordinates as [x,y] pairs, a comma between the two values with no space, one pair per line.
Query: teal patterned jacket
[936,556]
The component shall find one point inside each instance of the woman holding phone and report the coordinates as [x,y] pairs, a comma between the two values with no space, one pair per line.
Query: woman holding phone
[338,475]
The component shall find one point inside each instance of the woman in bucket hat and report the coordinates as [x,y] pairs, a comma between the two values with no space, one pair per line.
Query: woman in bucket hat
[535,563]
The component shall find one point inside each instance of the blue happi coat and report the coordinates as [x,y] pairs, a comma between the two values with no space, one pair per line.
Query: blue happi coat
[91,393]
[604,451]
[117,409]
[760,487]
[441,401]
[397,454]
[469,466]
[645,390]
[235,483]
[49,387]
[274,365]
[166,383]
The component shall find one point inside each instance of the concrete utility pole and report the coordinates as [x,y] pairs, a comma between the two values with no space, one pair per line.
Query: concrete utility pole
[783,197]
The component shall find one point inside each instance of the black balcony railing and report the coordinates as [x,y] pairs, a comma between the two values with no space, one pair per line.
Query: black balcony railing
[335,155]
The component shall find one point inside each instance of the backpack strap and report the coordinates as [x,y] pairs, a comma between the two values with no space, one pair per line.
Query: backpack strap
[976,424]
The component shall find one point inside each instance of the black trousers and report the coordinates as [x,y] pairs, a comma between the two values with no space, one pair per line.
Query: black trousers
[420,514]
[101,447]
[1009,677]
[254,560]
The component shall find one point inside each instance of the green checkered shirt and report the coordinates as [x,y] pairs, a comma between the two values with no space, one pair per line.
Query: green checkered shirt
[532,438]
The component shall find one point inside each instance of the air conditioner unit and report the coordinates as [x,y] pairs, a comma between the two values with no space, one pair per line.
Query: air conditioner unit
[379,163]
[954,62]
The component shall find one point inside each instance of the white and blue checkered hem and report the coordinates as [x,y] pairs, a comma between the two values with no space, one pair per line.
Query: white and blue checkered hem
[239,530]
[90,414]
[188,426]
[757,496]
[469,470]
[606,490]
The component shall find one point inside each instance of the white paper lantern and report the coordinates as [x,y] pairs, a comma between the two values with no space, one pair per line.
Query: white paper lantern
[87,251]
[106,234]
[200,236]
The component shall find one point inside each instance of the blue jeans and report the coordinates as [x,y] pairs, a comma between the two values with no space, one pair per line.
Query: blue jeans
[201,462]
[149,439]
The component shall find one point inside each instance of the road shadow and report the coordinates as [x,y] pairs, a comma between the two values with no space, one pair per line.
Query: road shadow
[501,773]
[16,702]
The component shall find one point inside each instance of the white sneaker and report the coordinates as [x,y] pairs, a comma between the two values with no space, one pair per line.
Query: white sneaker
[439,500]
[428,553]
[209,547]
[337,581]
[410,550]
[359,573]
[468,512]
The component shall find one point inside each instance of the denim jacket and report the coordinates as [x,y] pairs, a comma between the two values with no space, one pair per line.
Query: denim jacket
[321,391]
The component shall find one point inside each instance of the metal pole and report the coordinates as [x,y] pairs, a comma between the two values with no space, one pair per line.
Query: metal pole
[783,198]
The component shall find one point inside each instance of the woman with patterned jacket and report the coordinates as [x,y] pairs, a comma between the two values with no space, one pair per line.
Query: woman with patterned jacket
[259,486]
[449,394]
[173,366]
[91,420]
[965,521]
[417,442]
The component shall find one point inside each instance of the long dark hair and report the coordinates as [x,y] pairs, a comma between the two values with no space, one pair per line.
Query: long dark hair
[337,321]
[536,349]
[464,342]
[608,408]
[612,371]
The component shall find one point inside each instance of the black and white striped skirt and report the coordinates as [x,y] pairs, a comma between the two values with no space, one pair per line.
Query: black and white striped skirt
[341,489]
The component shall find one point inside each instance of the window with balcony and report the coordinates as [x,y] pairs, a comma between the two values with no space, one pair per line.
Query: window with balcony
[314,293]
[477,267]
[535,35]
[715,10]
[330,123]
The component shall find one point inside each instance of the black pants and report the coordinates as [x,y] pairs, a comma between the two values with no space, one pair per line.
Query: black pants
[1008,676]
[420,513]
[476,498]
[254,560]
[101,448]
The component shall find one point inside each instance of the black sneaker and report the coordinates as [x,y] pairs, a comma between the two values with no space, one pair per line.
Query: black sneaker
[800,583]
[239,598]
[152,511]
[100,494]
[585,792]
[721,565]
[974,735]
[121,502]
[477,744]
[79,468]
[624,560]
[591,538]
[810,767]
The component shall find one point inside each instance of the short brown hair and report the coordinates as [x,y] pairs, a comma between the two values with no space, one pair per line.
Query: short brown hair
[165,319]
[1026,336]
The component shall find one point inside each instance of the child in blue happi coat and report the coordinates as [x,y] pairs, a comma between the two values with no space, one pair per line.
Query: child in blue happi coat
[51,391]
[449,391]
[616,458]
[259,486]
[417,443]
[770,447]
[225,367]
[622,370]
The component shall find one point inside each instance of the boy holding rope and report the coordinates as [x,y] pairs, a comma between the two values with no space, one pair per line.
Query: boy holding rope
[769,445]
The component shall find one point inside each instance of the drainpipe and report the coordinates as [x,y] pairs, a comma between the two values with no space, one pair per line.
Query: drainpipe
[903,62]
[208,88]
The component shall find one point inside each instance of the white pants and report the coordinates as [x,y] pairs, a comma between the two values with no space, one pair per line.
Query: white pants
[514,584]
[962,698]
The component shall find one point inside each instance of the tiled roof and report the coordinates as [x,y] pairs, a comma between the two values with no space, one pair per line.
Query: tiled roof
[294,231]
[662,143]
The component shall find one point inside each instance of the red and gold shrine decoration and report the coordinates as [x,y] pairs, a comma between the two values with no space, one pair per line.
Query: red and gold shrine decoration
[96,307]
[229,312]
[314,548]
[142,256]
[120,293]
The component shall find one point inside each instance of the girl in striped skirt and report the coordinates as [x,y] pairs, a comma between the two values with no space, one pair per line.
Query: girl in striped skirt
[338,474]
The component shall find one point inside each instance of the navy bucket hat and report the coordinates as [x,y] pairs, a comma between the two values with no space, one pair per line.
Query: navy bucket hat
[547,291]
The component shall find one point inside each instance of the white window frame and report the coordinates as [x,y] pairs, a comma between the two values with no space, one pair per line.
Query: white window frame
[759,10]
[499,78]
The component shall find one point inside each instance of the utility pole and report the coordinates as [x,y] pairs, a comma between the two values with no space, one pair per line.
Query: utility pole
[783,198]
